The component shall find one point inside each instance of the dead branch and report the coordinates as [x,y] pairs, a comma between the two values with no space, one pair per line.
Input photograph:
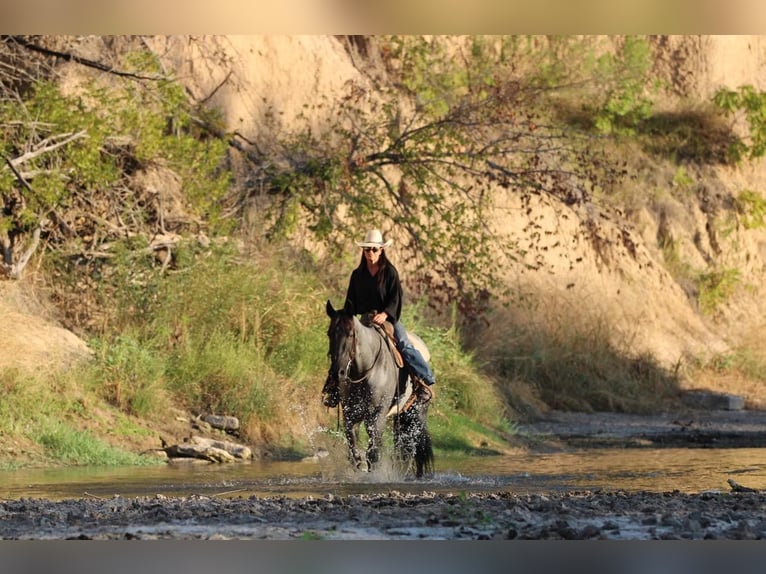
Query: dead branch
[46,146]
[16,270]
[69,57]
[21,177]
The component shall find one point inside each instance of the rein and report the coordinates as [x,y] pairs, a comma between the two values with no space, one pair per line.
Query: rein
[352,357]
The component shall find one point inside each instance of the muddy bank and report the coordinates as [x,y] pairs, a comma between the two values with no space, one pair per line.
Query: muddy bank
[395,516]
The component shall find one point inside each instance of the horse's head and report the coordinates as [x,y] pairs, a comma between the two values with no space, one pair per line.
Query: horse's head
[342,337]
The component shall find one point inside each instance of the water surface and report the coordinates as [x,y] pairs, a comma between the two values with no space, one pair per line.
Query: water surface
[635,469]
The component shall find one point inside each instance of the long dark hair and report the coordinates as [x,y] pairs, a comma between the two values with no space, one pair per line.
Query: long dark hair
[382,263]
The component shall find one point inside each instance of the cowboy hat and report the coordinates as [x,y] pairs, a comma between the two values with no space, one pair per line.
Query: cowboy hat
[374,238]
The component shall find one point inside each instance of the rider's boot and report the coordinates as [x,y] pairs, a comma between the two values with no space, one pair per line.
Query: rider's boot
[423,390]
[330,393]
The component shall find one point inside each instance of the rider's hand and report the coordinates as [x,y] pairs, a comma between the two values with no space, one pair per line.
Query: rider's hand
[379,318]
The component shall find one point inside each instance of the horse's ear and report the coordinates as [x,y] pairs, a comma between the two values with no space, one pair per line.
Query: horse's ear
[329,308]
[348,307]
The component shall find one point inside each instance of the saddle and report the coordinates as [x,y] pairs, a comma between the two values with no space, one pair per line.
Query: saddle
[387,332]
[405,396]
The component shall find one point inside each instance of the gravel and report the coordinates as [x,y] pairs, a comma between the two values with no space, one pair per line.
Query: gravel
[395,516]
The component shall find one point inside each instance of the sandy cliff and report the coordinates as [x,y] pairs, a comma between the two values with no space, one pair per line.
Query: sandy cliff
[263,84]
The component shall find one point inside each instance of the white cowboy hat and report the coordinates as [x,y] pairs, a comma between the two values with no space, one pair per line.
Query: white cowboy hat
[374,238]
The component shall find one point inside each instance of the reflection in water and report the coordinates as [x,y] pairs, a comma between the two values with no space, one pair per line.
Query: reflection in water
[658,470]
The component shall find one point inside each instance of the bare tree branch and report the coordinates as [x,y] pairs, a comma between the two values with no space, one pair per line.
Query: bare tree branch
[16,270]
[46,146]
[25,43]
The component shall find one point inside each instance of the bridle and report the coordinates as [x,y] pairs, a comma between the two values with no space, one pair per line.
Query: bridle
[334,327]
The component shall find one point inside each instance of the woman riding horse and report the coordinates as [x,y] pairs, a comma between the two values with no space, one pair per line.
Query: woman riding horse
[369,377]
[375,288]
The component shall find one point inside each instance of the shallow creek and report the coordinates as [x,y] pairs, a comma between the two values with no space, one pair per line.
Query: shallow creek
[632,469]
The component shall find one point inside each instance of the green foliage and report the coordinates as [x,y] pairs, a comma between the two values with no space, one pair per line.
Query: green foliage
[745,360]
[595,83]
[751,103]
[751,206]
[682,179]
[67,142]
[716,287]
[46,412]
[432,88]
[220,374]
[68,445]
[81,144]
[311,535]
[226,334]
[433,167]
[622,81]
[129,375]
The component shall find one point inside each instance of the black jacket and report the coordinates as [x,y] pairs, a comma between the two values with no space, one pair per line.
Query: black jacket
[364,294]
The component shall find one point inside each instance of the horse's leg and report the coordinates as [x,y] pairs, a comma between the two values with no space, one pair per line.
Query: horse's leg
[403,439]
[352,439]
[376,426]
[424,453]
[413,441]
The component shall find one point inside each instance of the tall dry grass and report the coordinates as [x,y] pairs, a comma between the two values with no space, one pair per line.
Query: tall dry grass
[575,357]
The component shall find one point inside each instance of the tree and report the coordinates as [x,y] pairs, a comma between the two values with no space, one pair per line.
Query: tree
[430,153]
[71,165]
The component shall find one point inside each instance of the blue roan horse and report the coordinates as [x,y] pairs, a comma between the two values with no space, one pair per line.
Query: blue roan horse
[369,391]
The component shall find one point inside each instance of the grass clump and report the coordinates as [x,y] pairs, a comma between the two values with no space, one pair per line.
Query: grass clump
[579,364]
[46,417]
[226,332]
[716,287]
[68,445]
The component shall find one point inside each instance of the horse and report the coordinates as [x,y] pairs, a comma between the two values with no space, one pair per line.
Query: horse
[369,386]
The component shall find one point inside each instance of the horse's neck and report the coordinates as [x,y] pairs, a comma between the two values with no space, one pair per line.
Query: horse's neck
[368,343]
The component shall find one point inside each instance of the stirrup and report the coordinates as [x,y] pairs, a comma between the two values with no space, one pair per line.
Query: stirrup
[424,392]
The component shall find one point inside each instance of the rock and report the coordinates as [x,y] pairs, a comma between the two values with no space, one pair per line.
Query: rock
[711,400]
[226,423]
[736,487]
[234,449]
[209,453]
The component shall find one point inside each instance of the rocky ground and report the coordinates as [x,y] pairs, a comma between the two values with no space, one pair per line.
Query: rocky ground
[734,513]
[396,516]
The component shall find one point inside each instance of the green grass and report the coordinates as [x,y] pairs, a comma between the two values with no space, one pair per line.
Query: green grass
[716,287]
[43,414]
[67,445]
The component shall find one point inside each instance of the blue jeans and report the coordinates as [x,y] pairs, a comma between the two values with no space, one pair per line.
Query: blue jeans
[412,356]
